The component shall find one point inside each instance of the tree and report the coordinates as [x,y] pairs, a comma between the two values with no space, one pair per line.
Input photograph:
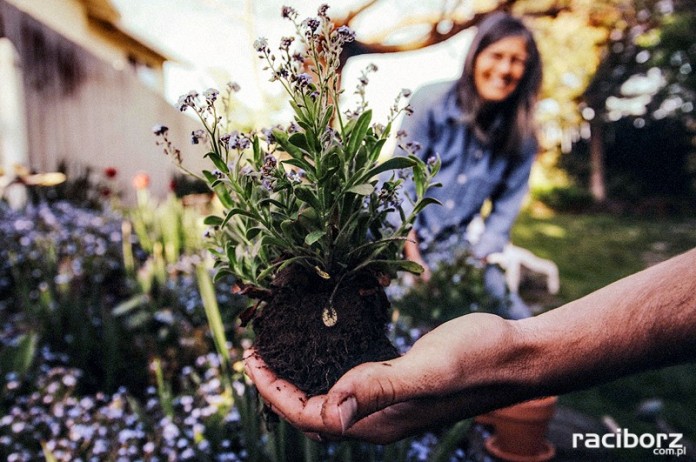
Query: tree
[645,73]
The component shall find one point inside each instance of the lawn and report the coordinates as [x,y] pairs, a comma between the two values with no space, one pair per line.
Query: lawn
[592,251]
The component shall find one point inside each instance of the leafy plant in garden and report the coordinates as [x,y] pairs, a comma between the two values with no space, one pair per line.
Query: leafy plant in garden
[306,194]
[455,288]
[308,208]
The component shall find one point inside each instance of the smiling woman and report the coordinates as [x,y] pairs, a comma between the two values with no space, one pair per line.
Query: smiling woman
[481,127]
[500,67]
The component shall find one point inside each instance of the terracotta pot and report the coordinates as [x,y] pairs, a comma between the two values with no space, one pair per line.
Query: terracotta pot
[519,431]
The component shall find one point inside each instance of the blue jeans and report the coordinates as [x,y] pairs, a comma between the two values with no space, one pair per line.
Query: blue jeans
[511,304]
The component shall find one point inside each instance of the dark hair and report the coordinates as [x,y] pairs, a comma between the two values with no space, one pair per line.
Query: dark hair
[517,124]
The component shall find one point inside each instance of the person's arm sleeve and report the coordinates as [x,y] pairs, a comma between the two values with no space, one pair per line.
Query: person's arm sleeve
[506,204]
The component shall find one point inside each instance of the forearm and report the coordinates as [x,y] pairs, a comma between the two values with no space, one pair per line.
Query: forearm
[644,321]
[411,251]
[647,320]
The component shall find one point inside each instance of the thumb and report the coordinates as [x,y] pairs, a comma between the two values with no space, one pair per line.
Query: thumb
[363,390]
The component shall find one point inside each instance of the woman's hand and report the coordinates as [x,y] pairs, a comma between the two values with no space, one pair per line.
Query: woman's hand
[411,252]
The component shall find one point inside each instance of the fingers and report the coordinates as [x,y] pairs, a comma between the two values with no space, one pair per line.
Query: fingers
[363,390]
[284,398]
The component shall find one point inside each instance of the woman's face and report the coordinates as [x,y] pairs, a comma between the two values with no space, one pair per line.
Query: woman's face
[499,68]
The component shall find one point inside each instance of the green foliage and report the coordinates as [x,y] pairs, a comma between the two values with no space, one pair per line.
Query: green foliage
[308,194]
[673,52]
[454,289]
[569,198]
[79,185]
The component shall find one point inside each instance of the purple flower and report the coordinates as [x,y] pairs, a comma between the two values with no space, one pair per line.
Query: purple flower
[211,95]
[160,130]
[302,80]
[285,43]
[288,12]
[238,141]
[187,100]
[267,184]
[321,12]
[413,147]
[312,24]
[346,34]
[197,136]
[261,44]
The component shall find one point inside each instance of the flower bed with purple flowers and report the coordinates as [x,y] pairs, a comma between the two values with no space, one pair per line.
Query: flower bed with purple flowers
[106,353]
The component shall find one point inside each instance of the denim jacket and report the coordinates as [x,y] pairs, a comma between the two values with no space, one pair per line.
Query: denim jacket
[470,174]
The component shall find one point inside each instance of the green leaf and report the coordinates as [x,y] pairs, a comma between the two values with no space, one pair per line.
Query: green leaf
[287,226]
[364,189]
[253,232]
[301,163]
[314,236]
[299,113]
[212,220]
[287,146]
[299,140]
[270,201]
[224,196]
[323,274]
[258,152]
[395,265]
[273,241]
[237,211]
[358,133]
[307,196]
[218,162]
[423,203]
[326,120]
[410,266]
[20,355]
[130,304]
[376,149]
[395,163]
[212,313]
[221,273]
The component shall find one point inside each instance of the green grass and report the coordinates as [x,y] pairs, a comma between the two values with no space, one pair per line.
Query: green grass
[592,251]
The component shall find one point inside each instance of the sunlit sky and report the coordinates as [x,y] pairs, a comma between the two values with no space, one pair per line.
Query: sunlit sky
[211,42]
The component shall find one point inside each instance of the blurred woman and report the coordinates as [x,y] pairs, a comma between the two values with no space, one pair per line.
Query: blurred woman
[481,126]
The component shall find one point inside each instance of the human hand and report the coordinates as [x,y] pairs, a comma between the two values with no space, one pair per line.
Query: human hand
[441,379]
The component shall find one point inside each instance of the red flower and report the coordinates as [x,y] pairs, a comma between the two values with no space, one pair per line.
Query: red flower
[110,172]
[141,181]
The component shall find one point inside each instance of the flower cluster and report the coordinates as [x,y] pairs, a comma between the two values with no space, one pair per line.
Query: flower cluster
[62,265]
[117,427]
